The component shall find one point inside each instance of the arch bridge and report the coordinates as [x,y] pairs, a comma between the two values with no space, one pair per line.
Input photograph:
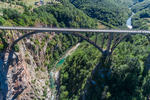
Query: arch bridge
[111,39]
[114,37]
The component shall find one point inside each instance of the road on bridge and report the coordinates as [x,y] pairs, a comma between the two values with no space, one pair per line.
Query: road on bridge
[43,29]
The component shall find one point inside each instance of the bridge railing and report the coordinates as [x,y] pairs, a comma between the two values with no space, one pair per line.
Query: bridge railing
[75,30]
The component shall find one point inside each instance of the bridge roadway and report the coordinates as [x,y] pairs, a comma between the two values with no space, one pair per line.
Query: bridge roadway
[43,29]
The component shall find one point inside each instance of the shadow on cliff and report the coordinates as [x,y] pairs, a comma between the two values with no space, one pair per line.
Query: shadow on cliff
[7,60]
[147,66]
[107,73]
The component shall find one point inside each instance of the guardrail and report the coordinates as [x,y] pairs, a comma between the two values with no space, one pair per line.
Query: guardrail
[43,29]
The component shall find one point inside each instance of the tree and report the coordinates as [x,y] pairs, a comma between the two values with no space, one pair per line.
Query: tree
[2,20]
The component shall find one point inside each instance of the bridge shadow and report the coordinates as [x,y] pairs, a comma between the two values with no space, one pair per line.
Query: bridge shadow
[100,70]
[7,59]
[10,59]
[146,65]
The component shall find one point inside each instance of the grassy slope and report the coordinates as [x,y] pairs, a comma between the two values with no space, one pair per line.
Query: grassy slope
[19,7]
[8,5]
[32,2]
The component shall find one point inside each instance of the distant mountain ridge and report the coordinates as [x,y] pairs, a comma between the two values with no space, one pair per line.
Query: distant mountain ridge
[105,10]
[141,5]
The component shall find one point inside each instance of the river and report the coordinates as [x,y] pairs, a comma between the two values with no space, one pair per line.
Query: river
[54,74]
[69,52]
[129,21]
[61,61]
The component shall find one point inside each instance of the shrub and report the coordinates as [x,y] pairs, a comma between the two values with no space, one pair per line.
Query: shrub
[1,47]
[16,48]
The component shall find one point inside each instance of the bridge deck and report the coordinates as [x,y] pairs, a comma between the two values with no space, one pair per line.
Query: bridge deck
[74,30]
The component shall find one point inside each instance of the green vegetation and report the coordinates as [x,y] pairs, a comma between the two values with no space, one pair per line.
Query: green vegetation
[142,14]
[52,82]
[142,19]
[3,42]
[124,78]
[76,70]
[1,45]
[33,81]
[55,50]
[45,92]
[143,4]
[56,15]
[109,11]
[89,73]
[16,48]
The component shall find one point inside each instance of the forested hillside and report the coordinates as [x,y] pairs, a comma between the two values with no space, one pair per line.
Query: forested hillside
[38,53]
[123,75]
[109,11]
[141,19]
[141,5]
[123,78]
[43,67]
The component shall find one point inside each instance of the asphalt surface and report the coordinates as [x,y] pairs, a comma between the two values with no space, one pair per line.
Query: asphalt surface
[43,29]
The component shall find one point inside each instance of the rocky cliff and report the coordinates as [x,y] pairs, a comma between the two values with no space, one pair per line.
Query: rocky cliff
[23,75]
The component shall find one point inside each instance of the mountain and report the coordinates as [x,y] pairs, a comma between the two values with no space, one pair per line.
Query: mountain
[28,76]
[109,11]
[59,66]
[142,15]
[124,75]
[141,5]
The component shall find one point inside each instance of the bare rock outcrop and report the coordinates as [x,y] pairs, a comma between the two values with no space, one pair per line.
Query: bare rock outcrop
[20,76]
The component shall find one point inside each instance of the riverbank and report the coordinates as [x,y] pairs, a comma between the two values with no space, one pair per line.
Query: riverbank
[69,52]
[129,21]
[55,71]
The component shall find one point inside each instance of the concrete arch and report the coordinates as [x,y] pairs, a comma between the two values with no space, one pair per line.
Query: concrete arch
[72,33]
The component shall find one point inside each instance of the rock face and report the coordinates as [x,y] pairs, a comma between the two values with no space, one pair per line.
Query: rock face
[23,75]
